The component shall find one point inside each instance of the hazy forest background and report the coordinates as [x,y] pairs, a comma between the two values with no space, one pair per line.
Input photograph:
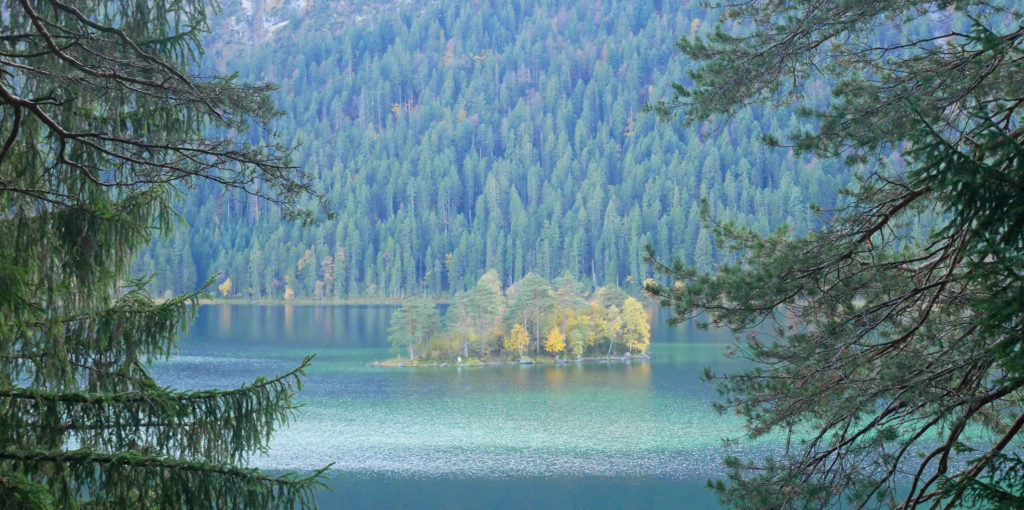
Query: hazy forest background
[458,137]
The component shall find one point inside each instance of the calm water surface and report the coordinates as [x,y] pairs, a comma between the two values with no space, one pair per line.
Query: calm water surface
[636,435]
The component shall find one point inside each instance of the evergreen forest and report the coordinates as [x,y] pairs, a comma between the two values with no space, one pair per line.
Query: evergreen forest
[457,137]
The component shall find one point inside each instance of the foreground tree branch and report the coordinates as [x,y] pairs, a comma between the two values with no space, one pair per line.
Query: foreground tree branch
[102,127]
[883,340]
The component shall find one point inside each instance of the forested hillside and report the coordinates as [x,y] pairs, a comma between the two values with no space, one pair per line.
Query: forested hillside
[473,135]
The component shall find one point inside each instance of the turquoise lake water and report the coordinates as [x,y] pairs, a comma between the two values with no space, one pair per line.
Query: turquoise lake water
[620,435]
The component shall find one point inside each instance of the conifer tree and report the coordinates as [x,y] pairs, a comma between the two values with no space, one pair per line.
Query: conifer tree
[102,127]
[413,324]
[880,340]
[471,203]
[460,318]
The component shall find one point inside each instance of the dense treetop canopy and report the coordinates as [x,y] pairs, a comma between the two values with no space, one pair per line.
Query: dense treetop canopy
[456,137]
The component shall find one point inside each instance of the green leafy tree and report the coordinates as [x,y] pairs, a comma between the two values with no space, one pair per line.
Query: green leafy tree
[610,323]
[580,332]
[102,126]
[885,339]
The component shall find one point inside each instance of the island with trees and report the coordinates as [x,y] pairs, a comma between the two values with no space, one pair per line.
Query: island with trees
[532,321]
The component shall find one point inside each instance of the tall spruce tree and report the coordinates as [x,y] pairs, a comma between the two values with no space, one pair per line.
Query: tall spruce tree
[885,339]
[102,126]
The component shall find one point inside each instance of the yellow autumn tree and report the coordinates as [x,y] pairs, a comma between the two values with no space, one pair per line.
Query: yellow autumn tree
[555,342]
[636,330]
[225,288]
[517,339]
[305,260]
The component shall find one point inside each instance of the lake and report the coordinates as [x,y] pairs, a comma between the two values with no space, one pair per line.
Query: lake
[636,435]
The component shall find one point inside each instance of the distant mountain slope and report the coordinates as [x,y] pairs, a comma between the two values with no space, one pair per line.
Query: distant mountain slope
[477,134]
[238,25]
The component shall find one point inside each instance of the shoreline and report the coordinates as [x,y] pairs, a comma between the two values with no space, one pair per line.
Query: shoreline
[338,301]
[526,361]
[330,302]
[309,301]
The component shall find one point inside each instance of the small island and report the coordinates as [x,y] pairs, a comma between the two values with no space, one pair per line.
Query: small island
[532,321]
